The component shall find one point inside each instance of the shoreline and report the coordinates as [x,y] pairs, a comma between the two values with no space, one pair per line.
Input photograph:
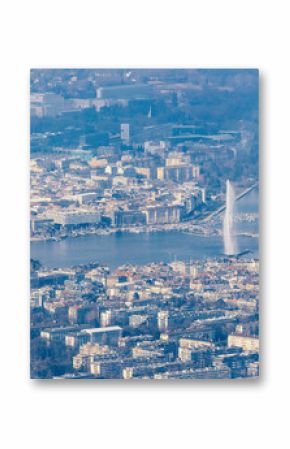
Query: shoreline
[178,227]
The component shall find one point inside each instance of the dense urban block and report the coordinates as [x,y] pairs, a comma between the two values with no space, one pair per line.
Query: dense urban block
[144,224]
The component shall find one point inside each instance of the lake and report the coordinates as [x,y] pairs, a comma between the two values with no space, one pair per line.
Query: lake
[120,248]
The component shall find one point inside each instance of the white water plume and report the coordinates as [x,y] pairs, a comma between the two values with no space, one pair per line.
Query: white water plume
[230,241]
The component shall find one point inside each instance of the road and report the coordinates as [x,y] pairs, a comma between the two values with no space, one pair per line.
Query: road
[222,208]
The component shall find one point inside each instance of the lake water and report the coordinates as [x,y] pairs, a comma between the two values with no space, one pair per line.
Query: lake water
[120,248]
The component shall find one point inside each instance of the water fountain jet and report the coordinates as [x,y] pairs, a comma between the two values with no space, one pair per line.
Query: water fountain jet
[230,241]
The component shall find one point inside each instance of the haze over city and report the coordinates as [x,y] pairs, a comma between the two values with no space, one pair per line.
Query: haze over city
[144,223]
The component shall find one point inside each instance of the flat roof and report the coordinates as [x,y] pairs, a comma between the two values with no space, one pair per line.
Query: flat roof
[102,329]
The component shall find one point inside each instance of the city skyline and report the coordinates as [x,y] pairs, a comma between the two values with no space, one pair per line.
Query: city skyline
[144,223]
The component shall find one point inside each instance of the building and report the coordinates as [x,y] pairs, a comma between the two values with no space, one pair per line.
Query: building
[78,314]
[125,133]
[75,340]
[49,278]
[46,104]
[104,335]
[75,218]
[162,319]
[137,320]
[89,197]
[178,173]
[56,334]
[125,91]
[247,343]
[129,218]
[163,214]
[106,369]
